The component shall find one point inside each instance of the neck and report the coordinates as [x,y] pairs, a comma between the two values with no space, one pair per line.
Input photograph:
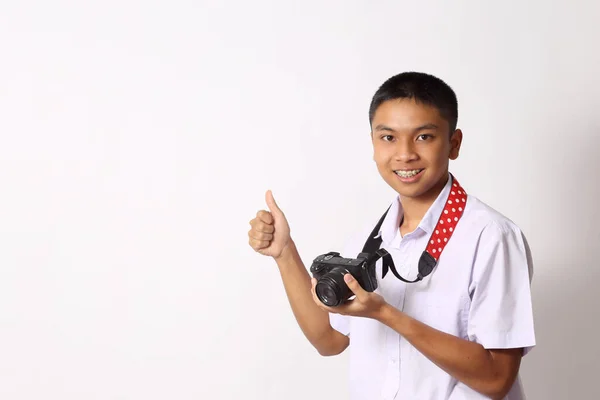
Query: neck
[415,208]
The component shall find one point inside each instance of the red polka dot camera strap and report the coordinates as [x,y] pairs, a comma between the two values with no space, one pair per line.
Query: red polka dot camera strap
[453,210]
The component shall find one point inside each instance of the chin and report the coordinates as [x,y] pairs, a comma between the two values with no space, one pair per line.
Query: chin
[411,193]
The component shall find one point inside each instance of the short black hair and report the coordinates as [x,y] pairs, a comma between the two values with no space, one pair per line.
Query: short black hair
[421,87]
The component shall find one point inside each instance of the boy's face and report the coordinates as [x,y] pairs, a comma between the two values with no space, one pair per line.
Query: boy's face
[412,147]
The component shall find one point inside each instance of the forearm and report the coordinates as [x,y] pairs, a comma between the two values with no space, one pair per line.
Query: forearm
[313,321]
[468,362]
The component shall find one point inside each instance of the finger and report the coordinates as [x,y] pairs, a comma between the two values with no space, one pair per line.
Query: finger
[273,207]
[265,216]
[260,226]
[313,283]
[254,234]
[318,301]
[258,244]
[355,287]
[344,308]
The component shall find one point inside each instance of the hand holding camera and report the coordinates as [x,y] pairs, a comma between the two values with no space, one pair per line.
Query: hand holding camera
[336,279]
[329,270]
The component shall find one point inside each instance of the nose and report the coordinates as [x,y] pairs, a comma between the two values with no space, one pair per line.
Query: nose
[405,151]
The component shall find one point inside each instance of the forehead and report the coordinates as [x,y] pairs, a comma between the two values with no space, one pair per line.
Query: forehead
[400,114]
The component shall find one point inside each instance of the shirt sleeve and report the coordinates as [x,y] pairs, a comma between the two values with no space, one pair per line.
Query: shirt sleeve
[340,323]
[501,316]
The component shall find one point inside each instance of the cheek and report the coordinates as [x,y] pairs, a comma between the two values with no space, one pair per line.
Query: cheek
[439,155]
[381,162]
[381,156]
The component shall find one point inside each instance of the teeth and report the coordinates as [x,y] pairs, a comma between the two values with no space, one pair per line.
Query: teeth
[408,174]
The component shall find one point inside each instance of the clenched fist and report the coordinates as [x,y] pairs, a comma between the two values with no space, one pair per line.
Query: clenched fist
[270,232]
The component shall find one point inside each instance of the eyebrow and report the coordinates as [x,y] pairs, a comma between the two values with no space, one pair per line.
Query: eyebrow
[382,127]
[426,127]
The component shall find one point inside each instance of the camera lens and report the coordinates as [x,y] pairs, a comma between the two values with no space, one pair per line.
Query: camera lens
[331,288]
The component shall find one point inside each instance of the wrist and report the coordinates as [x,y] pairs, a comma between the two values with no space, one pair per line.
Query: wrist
[385,314]
[397,320]
[287,253]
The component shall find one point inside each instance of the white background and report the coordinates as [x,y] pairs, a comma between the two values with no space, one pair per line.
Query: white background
[137,139]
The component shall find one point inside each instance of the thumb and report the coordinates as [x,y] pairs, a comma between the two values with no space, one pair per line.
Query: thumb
[354,286]
[273,207]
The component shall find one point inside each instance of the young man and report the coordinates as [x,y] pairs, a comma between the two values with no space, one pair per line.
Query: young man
[458,333]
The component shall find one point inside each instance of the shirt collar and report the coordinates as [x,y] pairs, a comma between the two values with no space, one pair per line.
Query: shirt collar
[390,226]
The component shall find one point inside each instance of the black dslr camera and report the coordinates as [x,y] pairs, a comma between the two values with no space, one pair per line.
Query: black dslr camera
[329,270]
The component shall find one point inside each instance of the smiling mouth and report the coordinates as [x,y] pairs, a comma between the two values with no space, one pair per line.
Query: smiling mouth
[408,173]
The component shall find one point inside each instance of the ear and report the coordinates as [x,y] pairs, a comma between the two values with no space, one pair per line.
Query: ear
[455,142]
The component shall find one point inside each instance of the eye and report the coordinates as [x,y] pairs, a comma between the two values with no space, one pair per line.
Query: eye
[387,138]
[425,136]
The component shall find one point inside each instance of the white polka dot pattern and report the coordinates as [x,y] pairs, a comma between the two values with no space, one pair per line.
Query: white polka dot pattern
[447,222]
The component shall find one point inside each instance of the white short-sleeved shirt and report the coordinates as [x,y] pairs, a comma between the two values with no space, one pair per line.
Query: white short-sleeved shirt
[479,291]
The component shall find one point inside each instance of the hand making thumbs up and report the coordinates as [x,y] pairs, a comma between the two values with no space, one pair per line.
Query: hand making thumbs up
[270,232]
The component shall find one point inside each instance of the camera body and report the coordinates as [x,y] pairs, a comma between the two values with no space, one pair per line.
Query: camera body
[329,270]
